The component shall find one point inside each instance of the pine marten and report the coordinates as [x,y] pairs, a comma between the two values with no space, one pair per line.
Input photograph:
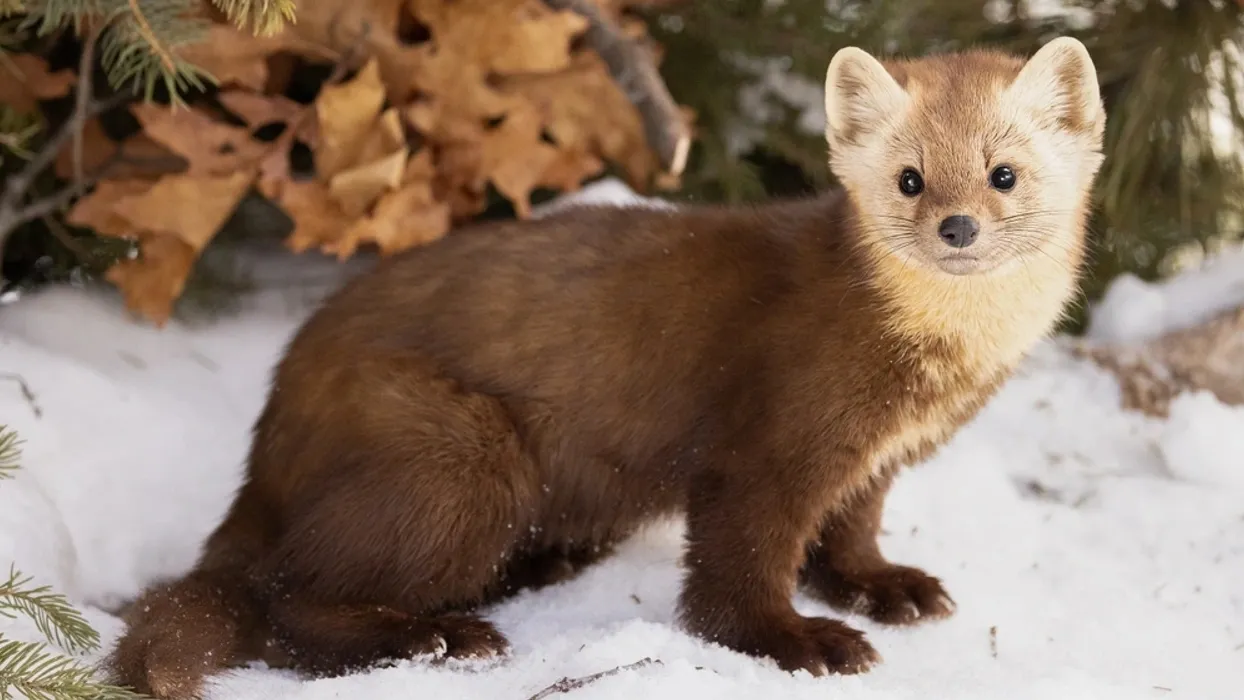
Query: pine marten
[495,410]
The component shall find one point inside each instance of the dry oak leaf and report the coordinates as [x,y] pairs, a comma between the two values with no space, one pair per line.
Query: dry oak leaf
[236,57]
[356,189]
[456,101]
[318,221]
[210,147]
[95,210]
[502,36]
[25,79]
[260,110]
[151,282]
[386,136]
[518,161]
[139,156]
[189,207]
[459,181]
[337,25]
[584,110]
[346,114]
[403,218]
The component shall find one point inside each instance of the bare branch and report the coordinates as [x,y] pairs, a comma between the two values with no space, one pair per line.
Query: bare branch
[12,213]
[86,90]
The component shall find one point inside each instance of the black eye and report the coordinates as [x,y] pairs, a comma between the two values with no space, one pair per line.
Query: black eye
[910,183]
[1002,178]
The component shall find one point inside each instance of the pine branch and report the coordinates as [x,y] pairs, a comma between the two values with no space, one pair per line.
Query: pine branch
[265,17]
[9,452]
[140,50]
[37,674]
[52,614]
[29,668]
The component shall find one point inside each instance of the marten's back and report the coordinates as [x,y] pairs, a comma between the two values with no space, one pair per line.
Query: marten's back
[637,336]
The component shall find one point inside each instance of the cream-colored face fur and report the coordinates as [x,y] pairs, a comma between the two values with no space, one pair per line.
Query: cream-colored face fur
[946,128]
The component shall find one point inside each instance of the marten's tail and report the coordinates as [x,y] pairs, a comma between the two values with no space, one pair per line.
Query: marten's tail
[184,630]
[209,620]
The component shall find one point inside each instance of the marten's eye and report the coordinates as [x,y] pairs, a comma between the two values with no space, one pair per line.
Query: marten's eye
[1002,178]
[910,183]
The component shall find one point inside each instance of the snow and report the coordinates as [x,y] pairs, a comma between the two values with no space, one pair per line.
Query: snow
[1104,549]
[1133,310]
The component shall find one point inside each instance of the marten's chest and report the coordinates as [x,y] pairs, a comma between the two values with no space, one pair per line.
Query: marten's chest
[935,402]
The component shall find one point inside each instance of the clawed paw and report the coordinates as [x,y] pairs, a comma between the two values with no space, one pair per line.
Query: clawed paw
[895,595]
[456,636]
[817,645]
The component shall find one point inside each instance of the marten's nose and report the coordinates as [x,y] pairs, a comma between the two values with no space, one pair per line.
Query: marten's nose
[958,231]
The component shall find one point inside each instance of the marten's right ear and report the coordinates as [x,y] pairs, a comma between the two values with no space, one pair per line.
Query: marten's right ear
[859,94]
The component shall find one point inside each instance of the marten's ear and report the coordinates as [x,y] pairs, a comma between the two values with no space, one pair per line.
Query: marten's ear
[859,94]
[1058,87]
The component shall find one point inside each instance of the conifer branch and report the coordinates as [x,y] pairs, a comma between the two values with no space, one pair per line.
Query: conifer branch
[264,17]
[52,614]
[9,452]
[37,674]
[31,669]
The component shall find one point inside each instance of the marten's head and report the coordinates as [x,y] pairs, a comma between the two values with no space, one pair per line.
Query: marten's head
[967,163]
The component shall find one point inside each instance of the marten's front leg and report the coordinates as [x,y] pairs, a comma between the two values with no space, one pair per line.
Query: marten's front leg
[845,567]
[747,529]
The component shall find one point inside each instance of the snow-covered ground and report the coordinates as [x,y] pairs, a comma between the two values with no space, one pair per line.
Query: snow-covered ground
[1105,550]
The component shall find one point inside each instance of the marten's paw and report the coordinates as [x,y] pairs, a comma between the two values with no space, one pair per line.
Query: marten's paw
[455,636]
[817,645]
[894,595]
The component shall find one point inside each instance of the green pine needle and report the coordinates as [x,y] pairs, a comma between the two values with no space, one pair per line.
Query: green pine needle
[264,17]
[9,8]
[33,672]
[29,669]
[52,614]
[9,452]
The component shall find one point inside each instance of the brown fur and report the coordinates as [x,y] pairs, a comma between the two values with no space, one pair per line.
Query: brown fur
[496,410]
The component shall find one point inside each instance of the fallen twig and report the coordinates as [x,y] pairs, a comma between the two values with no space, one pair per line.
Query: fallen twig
[633,69]
[565,685]
[26,392]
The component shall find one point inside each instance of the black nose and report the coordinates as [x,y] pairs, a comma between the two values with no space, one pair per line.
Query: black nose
[959,231]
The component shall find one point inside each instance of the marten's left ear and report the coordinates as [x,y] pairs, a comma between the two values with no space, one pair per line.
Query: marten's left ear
[859,95]
[1058,86]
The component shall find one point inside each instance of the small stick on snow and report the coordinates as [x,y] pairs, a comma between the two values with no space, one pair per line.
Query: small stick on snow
[26,392]
[993,641]
[633,69]
[566,685]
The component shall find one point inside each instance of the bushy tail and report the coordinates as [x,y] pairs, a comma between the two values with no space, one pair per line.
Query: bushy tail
[182,631]
[209,620]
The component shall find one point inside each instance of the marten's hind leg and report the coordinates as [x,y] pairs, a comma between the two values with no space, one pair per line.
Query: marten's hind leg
[386,550]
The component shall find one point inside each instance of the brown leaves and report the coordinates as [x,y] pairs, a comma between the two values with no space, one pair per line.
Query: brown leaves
[501,36]
[448,99]
[25,79]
